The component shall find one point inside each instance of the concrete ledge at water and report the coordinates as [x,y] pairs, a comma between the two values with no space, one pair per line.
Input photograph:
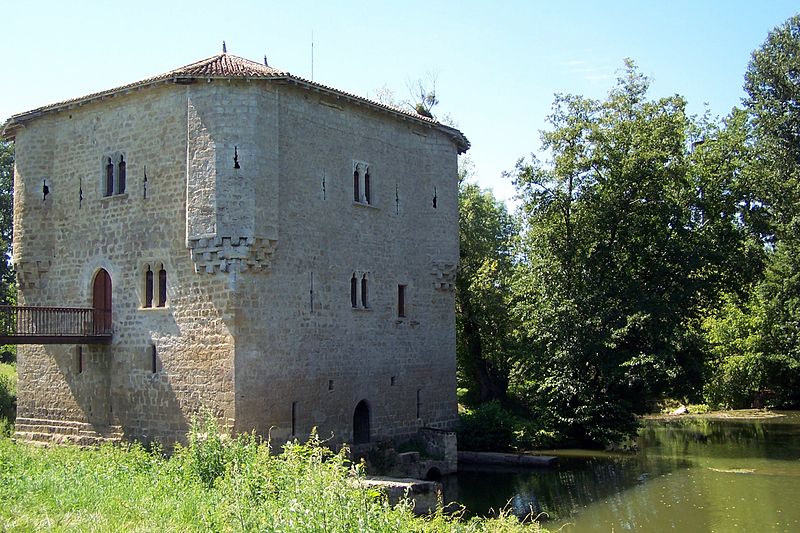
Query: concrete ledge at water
[513,459]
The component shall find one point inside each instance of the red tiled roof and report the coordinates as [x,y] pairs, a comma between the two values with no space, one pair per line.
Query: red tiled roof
[226,66]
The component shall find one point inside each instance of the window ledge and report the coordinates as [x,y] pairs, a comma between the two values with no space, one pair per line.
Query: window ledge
[113,197]
[364,204]
[152,309]
[361,308]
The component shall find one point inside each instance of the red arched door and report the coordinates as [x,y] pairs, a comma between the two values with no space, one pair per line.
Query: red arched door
[101,302]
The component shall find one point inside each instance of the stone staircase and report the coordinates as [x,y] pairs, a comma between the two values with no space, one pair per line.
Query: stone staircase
[39,431]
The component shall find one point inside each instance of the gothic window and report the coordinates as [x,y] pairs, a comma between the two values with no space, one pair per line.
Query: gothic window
[109,178]
[362,183]
[162,287]
[114,174]
[148,287]
[121,171]
[155,286]
[359,290]
[364,300]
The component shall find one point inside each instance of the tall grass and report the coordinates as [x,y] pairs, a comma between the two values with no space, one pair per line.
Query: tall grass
[215,483]
[8,397]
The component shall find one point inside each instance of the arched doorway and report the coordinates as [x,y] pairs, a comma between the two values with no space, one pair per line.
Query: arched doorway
[101,302]
[361,423]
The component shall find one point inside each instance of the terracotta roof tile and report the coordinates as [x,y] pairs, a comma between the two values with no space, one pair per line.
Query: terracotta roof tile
[227,66]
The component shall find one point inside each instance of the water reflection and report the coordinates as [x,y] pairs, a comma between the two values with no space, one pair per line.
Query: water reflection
[690,475]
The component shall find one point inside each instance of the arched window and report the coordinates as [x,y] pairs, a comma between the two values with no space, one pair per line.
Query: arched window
[101,302]
[115,173]
[364,300]
[121,172]
[109,178]
[162,287]
[354,291]
[356,186]
[366,186]
[361,423]
[148,287]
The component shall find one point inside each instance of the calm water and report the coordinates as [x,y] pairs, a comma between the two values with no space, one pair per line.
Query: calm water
[689,475]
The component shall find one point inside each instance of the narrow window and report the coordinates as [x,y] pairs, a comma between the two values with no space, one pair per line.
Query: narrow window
[330,384]
[109,178]
[148,287]
[393,381]
[401,301]
[354,291]
[294,418]
[364,301]
[356,187]
[153,359]
[162,287]
[419,402]
[79,359]
[366,186]
[121,174]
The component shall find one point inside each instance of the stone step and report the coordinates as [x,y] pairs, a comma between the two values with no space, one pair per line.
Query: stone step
[46,431]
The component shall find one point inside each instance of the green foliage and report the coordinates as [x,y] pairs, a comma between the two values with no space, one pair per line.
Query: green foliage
[8,393]
[305,488]
[492,428]
[773,89]
[7,287]
[484,330]
[488,428]
[630,231]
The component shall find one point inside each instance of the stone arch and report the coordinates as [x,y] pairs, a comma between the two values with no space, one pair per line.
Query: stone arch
[101,301]
[361,426]
[433,474]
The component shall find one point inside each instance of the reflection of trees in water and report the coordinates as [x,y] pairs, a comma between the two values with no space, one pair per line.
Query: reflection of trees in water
[773,438]
[629,489]
[558,492]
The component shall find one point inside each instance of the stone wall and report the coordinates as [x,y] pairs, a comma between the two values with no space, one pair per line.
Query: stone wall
[258,325]
[76,230]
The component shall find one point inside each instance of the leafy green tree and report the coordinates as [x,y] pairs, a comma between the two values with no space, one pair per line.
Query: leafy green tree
[483,295]
[772,83]
[629,232]
[7,287]
[6,219]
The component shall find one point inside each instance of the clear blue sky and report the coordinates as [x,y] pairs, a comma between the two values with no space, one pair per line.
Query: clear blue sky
[498,63]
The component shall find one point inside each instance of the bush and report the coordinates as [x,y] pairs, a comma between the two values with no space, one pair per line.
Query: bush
[488,428]
[754,380]
[8,397]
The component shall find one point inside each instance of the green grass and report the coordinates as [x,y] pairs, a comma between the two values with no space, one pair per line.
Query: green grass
[8,396]
[215,483]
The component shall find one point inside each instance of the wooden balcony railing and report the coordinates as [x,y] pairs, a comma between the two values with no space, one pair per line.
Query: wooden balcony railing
[54,325]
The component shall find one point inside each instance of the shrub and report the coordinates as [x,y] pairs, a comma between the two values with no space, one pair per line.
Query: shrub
[8,398]
[754,380]
[487,428]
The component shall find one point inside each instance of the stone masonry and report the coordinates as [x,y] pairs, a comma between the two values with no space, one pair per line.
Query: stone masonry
[306,239]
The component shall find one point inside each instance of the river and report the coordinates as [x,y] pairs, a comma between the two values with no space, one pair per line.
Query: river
[690,474]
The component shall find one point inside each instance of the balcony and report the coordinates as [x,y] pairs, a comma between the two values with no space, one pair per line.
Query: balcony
[54,325]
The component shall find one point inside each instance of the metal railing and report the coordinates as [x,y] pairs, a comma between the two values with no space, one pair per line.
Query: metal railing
[17,321]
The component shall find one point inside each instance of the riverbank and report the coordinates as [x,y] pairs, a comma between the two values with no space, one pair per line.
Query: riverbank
[215,483]
[734,414]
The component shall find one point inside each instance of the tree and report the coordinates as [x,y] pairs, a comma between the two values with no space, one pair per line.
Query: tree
[772,83]
[6,220]
[484,327]
[628,234]
[7,286]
